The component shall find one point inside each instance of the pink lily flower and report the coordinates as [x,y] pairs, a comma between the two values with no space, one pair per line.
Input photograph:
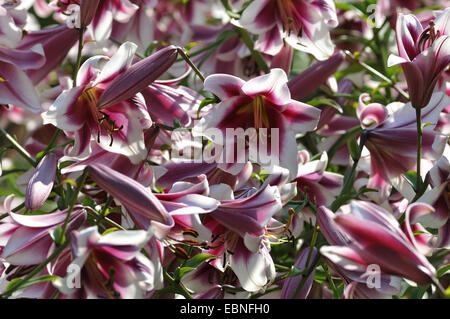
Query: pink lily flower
[207,282]
[41,183]
[105,104]
[320,186]
[170,101]
[364,234]
[424,54]
[391,135]
[138,29]
[238,234]
[26,239]
[111,266]
[262,103]
[302,24]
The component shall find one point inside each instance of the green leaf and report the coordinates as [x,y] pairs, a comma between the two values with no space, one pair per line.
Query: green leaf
[197,260]
[206,102]
[87,201]
[30,282]
[320,276]
[294,272]
[57,235]
[411,178]
[443,270]
[192,264]
[110,230]
[354,149]
[325,101]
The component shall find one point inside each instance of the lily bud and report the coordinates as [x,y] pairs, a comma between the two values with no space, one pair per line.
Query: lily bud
[313,77]
[138,76]
[87,11]
[41,183]
[132,195]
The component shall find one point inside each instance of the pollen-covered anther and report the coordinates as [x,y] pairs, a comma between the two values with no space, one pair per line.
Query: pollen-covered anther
[285,228]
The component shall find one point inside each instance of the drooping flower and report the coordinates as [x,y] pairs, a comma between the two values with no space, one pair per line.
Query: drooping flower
[302,24]
[362,234]
[136,198]
[424,54]
[263,109]
[391,138]
[56,42]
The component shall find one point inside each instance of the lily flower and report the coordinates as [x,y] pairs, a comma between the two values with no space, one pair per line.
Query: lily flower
[26,240]
[263,104]
[105,104]
[391,135]
[239,237]
[364,234]
[111,266]
[302,24]
[424,54]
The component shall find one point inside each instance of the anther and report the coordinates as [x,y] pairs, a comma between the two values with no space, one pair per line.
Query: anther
[190,231]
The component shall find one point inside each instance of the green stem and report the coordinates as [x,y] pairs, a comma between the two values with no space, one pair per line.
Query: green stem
[73,202]
[259,59]
[367,67]
[191,64]
[80,48]
[181,289]
[19,148]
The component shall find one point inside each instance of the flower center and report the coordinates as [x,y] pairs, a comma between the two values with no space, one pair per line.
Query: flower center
[260,118]
[103,120]
[428,36]
[290,17]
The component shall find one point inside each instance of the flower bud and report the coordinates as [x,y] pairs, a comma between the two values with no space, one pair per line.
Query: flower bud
[137,77]
[41,183]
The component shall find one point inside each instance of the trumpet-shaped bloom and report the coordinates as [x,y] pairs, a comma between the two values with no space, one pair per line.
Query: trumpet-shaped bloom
[111,266]
[364,234]
[263,107]
[105,104]
[391,138]
[424,54]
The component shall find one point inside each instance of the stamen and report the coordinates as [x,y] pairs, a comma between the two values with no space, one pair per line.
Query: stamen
[190,231]
[180,252]
[286,227]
